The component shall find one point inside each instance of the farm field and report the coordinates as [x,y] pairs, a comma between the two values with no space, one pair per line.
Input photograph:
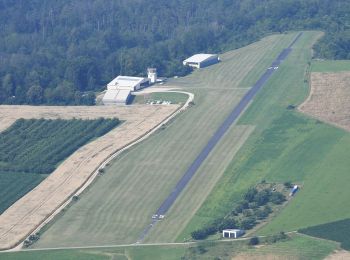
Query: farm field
[329,98]
[33,148]
[298,247]
[286,146]
[76,170]
[120,204]
[337,231]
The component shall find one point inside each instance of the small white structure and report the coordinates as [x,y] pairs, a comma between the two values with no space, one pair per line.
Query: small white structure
[119,89]
[152,74]
[201,60]
[232,233]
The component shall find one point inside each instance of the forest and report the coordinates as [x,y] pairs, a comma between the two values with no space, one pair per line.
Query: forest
[63,52]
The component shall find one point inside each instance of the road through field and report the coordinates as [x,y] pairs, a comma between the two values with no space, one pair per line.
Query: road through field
[237,111]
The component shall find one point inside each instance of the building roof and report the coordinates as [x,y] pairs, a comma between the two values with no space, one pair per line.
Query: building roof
[232,230]
[125,81]
[116,96]
[200,57]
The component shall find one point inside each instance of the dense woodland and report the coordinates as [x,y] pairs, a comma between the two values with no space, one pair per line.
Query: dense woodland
[60,52]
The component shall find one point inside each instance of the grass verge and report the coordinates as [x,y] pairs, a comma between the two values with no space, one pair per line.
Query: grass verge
[297,247]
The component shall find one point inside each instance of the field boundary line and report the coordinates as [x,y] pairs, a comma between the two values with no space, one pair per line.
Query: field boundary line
[146,244]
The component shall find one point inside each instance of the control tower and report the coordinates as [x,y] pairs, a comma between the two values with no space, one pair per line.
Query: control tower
[152,74]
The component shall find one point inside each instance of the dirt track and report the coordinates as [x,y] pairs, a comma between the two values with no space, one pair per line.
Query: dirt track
[27,213]
[329,98]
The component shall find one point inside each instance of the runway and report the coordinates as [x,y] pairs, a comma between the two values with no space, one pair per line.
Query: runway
[233,116]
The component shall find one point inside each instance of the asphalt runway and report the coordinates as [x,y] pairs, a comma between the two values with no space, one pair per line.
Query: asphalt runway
[236,112]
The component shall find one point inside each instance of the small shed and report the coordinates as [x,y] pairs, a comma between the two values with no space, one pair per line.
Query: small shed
[232,233]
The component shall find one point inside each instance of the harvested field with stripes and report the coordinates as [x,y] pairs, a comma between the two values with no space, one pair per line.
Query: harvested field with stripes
[329,98]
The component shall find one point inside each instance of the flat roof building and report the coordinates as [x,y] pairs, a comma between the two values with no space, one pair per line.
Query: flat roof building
[119,89]
[232,233]
[201,60]
[133,83]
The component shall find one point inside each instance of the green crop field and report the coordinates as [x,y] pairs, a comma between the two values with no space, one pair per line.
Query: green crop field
[117,207]
[297,247]
[338,231]
[330,65]
[31,149]
[287,146]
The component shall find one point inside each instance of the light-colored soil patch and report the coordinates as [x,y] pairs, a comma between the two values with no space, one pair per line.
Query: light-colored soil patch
[339,255]
[329,98]
[27,213]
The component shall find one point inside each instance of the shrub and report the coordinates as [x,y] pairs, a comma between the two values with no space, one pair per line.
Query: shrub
[248,223]
[277,237]
[250,194]
[277,198]
[261,214]
[253,241]
[203,233]
[228,223]
[288,184]
[262,197]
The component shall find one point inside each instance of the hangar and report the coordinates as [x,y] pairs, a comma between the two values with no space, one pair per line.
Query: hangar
[201,60]
[132,83]
[119,89]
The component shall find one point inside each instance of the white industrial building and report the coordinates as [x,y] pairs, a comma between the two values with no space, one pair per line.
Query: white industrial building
[126,82]
[232,233]
[119,89]
[201,60]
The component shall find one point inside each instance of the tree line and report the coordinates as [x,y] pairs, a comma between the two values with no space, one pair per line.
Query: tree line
[255,206]
[61,52]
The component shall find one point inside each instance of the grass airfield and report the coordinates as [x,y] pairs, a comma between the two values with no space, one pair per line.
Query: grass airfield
[119,205]
[282,145]
[287,146]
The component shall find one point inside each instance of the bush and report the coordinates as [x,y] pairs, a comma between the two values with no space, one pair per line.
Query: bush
[253,241]
[288,184]
[261,214]
[203,233]
[247,223]
[228,223]
[262,197]
[277,237]
[250,194]
[277,198]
